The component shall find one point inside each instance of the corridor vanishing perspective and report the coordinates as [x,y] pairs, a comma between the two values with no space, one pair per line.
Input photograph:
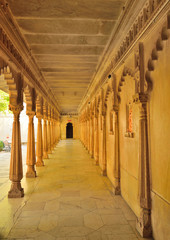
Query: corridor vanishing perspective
[90,155]
[71,200]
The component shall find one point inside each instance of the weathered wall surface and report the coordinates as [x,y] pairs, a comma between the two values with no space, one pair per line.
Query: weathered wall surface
[63,124]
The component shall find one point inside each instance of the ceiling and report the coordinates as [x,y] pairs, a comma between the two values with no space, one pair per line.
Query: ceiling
[67,39]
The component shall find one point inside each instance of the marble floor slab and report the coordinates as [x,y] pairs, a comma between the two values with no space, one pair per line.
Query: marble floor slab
[68,200]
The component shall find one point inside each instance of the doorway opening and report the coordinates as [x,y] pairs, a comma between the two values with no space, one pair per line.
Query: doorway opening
[69,130]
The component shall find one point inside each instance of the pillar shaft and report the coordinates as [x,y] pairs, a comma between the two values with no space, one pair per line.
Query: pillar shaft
[39,147]
[96,141]
[144,221]
[31,159]
[16,171]
[116,153]
[52,137]
[104,167]
[49,136]
[91,137]
[45,144]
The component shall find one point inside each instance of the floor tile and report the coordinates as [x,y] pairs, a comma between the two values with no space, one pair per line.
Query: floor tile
[69,200]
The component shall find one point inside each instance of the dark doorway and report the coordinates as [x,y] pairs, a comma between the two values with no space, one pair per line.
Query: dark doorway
[69,130]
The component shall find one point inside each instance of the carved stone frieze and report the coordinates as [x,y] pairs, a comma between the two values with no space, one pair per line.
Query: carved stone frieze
[144,17]
[164,36]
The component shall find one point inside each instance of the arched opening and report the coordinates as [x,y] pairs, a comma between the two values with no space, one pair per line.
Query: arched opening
[69,130]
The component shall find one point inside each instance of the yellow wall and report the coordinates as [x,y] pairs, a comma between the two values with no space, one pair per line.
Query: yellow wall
[129,147]
[158,129]
[160,144]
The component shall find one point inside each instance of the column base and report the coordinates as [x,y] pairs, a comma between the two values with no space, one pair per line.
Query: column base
[104,172]
[31,173]
[96,160]
[39,163]
[16,190]
[143,224]
[117,190]
[45,155]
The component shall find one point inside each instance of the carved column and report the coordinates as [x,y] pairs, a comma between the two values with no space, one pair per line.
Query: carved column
[116,151]
[54,130]
[31,159]
[104,167]
[144,221]
[39,146]
[96,140]
[49,135]
[85,133]
[91,136]
[57,132]
[51,128]
[45,144]
[16,171]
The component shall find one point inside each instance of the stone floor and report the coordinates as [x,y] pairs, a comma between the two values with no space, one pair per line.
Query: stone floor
[69,200]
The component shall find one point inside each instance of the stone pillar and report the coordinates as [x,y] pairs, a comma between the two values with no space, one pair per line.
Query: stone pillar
[88,146]
[86,133]
[16,171]
[96,141]
[104,167]
[31,159]
[52,136]
[39,147]
[143,224]
[49,135]
[116,152]
[83,132]
[54,132]
[92,137]
[45,144]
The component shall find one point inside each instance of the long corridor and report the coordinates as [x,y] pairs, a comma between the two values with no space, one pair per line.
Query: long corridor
[70,200]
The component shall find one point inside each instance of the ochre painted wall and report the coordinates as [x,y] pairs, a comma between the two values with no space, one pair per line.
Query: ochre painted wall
[160,144]
[129,147]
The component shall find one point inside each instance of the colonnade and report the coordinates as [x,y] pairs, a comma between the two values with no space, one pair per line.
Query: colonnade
[100,134]
[47,138]
[36,106]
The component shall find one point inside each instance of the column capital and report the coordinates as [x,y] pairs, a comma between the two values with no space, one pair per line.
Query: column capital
[16,109]
[31,114]
[39,116]
[141,98]
[115,108]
